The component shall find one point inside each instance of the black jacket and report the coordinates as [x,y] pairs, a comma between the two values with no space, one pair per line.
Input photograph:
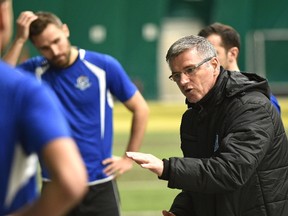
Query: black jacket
[235,153]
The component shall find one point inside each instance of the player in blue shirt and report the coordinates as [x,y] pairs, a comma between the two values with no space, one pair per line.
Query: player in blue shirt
[32,126]
[85,82]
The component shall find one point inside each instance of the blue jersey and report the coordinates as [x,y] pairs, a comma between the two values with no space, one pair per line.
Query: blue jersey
[29,119]
[85,90]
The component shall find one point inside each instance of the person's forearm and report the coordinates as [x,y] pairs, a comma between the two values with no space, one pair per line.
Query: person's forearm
[68,180]
[138,128]
[22,34]
[12,55]
[52,202]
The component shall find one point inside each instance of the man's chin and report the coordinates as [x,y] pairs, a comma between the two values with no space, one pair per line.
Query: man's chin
[192,99]
[59,64]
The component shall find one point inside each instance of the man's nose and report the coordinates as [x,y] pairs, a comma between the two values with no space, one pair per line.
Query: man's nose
[55,50]
[184,78]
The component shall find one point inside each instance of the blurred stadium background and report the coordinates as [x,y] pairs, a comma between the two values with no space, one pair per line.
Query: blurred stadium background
[138,33]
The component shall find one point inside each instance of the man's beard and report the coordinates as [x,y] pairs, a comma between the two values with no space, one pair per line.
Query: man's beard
[61,64]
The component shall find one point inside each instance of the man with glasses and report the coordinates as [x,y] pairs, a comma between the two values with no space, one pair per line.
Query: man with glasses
[232,138]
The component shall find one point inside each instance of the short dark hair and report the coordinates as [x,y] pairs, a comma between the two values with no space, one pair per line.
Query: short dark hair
[43,20]
[230,37]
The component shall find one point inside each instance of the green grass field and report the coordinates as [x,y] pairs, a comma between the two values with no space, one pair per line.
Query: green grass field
[141,192]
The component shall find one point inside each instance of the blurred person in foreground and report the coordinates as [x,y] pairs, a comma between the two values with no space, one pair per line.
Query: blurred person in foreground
[85,83]
[31,125]
[233,140]
[226,41]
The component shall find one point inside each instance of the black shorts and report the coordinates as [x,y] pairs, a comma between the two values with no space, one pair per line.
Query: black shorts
[100,200]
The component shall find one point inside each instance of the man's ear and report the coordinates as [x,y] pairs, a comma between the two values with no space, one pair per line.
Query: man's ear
[215,62]
[66,30]
[216,65]
[233,53]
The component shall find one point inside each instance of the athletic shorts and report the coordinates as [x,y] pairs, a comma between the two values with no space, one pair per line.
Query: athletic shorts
[100,200]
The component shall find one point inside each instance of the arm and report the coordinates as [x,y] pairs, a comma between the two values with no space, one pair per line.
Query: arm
[23,24]
[155,165]
[138,106]
[248,137]
[147,161]
[244,140]
[68,183]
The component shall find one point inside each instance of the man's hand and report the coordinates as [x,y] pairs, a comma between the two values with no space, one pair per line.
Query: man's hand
[166,213]
[23,23]
[22,34]
[117,165]
[147,161]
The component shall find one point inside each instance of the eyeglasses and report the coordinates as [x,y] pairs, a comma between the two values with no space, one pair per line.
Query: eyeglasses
[188,72]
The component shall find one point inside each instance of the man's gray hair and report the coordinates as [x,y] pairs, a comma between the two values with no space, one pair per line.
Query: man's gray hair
[203,47]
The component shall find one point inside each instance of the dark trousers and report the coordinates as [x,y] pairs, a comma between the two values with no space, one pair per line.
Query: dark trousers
[100,200]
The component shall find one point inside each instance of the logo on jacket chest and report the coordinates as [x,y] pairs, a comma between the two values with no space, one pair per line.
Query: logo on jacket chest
[83,83]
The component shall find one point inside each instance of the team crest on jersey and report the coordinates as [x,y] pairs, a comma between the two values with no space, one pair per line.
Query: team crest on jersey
[83,83]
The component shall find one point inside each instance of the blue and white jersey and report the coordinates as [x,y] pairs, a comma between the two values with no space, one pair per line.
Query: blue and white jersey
[29,119]
[85,90]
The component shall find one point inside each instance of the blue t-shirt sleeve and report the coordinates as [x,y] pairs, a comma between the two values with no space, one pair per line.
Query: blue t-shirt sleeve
[275,102]
[118,81]
[30,65]
[42,120]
